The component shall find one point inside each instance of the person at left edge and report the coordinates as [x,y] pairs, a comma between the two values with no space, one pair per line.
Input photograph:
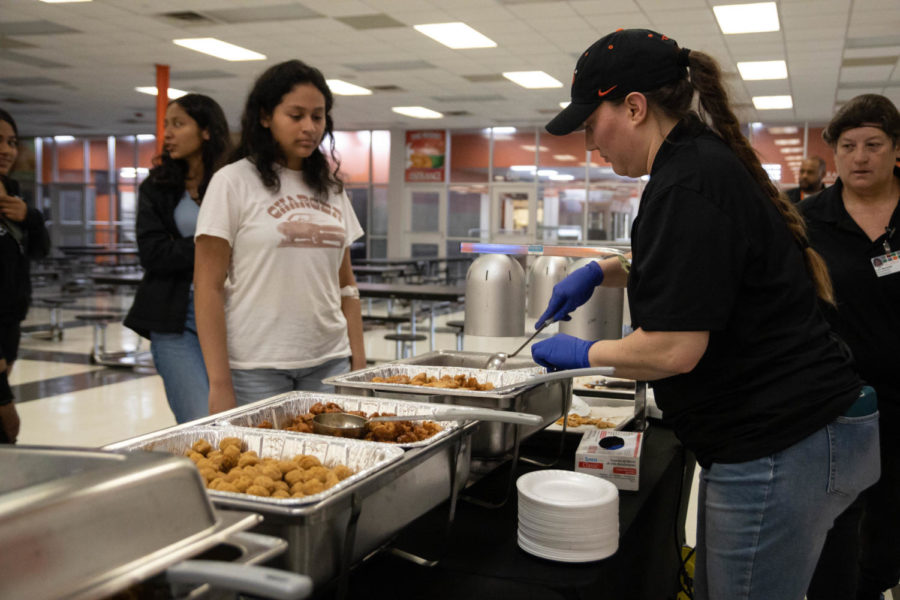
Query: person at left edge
[195,144]
[22,237]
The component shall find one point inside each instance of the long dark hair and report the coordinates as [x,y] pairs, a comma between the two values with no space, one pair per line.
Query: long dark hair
[169,172]
[5,116]
[675,100]
[257,143]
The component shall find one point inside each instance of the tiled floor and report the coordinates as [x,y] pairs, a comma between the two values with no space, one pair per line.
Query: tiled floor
[63,400]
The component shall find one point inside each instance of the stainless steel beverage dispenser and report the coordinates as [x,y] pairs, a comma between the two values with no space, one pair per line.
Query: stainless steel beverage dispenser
[600,318]
[545,272]
[495,297]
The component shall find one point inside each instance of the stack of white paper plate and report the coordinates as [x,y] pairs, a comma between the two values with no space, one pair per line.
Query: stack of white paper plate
[568,516]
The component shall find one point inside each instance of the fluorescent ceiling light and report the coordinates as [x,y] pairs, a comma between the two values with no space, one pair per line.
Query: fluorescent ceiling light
[772,102]
[789,130]
[762,69]
[63,1]
[528,168]
[455,35]
[791,150]
[502,130]
[172,92]
[564,104]
[417,112]
[565,157]
[788,142]
[146,137]
[547,172]
[562,177]
[219,49]
[342,88]
[774,171]
[533,79]
[532,148]
[64,138]
[747,18]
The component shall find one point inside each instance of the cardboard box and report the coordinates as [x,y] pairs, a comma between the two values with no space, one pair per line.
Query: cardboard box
[613,455]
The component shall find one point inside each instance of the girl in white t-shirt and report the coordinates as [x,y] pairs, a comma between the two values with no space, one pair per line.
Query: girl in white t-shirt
[277,304]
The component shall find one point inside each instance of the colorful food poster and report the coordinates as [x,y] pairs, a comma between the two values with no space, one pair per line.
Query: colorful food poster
[425,156]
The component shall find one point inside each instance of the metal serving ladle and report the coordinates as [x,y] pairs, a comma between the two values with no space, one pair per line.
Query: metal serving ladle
[496,360]
[354,426]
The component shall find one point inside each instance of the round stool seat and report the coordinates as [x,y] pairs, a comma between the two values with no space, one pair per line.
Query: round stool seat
[54,301]
[458,324]
[97,318]
[406,337]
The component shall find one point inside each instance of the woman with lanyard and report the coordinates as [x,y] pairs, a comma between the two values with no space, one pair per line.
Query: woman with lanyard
[196,143]
[22,237]
[277,304]
[723,296]
[853,225]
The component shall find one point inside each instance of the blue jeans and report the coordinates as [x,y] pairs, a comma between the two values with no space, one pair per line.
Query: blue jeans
[251,385]
[179,361]
[761,524]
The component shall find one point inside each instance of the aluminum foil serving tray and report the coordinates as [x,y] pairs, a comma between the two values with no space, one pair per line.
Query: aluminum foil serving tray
[365,458]
[87,524]
[281,410]
[517,377]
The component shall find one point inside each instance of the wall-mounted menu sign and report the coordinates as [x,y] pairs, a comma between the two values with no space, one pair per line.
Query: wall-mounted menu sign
[425,156]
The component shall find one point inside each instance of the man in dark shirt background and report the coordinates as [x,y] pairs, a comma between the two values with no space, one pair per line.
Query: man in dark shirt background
[812,171]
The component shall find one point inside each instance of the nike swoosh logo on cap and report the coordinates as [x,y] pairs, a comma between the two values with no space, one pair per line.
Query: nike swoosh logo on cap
[603,93]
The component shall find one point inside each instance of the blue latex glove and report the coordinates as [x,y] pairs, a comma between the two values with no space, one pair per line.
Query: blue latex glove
[573,291]
[562,352]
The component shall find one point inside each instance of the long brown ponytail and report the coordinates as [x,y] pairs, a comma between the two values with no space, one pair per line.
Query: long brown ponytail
[705,78]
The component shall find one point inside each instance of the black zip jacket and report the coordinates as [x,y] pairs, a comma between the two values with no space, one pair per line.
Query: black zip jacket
[160,303]
[15,258]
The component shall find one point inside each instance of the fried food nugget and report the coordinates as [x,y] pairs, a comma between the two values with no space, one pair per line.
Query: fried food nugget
[264,482]
[342,472]
[231,441]
[230,457]
[194,456]
[280,494]
[286,466]
[247,459]
[272,471]
[242,483]
[307,461]
[201,446]
[257,490]
[292,477]
[313,486]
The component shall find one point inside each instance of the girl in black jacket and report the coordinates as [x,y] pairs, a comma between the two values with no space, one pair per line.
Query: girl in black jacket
[196,144]
[22,237]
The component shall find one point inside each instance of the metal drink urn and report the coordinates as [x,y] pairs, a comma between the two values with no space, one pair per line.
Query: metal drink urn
[600,318]
[495,297]
[545,272]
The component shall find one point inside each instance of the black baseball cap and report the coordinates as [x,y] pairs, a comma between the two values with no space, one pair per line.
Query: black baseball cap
[625,61]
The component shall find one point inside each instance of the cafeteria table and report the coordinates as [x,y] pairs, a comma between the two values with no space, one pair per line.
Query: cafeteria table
[414,293]
[115,253]
[481,558]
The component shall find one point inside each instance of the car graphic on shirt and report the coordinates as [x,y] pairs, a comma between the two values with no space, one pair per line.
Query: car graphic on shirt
[300,230]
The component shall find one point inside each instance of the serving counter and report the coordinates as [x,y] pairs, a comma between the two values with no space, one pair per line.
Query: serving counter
[481,558]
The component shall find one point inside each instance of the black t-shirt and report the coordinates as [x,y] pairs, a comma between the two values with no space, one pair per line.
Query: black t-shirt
[712,253]
[868,306]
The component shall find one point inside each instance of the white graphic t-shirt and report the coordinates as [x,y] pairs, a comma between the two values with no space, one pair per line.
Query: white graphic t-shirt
[282,296]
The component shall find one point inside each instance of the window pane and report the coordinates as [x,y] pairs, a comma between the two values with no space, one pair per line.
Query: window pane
[378,247]
[424,250]
[379,211]
[513,212]
[353,151]
[99,174]
[425,210]
[381,156]
[469,155]
[468,212]
[611,207]
[561,212]
[146,153]
[359,198]
[562,158]
[70,155]
[47,151]
[514,156]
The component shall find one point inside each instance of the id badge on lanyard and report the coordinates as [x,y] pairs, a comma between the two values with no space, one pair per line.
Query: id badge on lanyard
[889,262]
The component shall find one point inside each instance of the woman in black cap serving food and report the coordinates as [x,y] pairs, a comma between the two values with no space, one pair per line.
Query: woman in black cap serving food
[723,295]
